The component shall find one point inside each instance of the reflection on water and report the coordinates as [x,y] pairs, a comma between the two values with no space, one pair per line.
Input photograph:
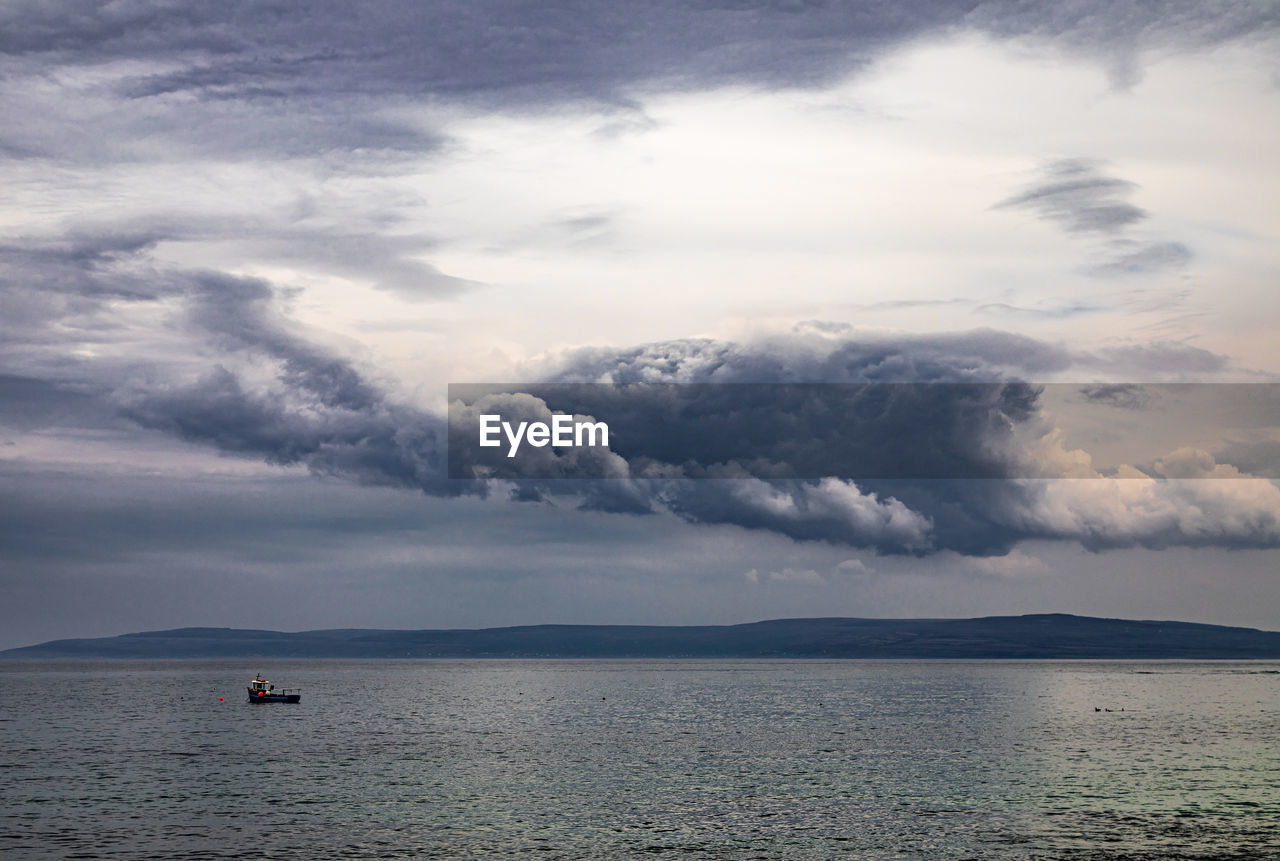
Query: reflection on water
[593,759]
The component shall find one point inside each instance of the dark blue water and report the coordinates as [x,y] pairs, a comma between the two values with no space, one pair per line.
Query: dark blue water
[595,759]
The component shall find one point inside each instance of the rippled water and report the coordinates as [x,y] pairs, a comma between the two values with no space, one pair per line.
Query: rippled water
[617,759]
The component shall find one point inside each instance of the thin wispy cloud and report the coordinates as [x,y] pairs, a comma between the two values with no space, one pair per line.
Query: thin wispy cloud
[1076,194]
[1081,198]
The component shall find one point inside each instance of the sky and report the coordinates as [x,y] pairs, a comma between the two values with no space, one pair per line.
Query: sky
[246,246]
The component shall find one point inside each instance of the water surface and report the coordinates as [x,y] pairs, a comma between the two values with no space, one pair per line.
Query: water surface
[653,759]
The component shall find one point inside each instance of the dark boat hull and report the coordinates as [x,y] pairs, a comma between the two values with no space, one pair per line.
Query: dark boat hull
[276,698]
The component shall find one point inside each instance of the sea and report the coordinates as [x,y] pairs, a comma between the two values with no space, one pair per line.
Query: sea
[690,759]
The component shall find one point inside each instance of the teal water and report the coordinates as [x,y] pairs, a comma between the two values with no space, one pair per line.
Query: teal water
[653,759]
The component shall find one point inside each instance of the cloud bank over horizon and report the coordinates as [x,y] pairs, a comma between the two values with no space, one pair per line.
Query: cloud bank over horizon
[266,391]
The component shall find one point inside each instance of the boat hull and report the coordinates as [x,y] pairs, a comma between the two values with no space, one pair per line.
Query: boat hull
[276,698]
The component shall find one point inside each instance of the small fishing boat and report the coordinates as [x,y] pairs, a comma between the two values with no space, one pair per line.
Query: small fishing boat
[262,691]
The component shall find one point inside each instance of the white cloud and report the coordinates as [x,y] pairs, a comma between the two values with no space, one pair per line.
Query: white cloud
[840,502]
[1150,512]
[1013,564]
[796,575]
[854,568]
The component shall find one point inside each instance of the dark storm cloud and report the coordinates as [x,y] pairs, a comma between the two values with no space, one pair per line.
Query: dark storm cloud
[316,408]
[974,517]
[983,355]
[231,372]
[533,51]
[578,46]
[316,78]
[719,424]
[788,430]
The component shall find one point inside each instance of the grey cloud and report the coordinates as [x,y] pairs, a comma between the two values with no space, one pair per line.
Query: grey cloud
[578,229]
[896,305]
[1156,514]
[251,384]
[1157,360]
[577,49]
[92,123]
[589,223]
[355,248]
[1137,257]
[375,444]
[443,47]
[793,430]
[389,262]
[29,403]
[589,228]
[1118,34]
[983,355]
[1077,195]
[1261,457]
[544,462]
[824,510]
[65,301]
[974,517]
[235,375]
[81,264]
[316,408]
[311,79]
[240,314]
[1126,396]
[1061,311]
[82,296]
[1080,197]
[112,549]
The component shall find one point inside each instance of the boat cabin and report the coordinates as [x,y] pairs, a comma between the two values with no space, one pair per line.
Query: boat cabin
[262,691]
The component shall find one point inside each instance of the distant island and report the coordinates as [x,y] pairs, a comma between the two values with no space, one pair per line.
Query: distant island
[1042,636]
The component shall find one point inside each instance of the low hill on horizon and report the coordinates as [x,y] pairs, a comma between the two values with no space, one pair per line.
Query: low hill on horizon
[1037,636]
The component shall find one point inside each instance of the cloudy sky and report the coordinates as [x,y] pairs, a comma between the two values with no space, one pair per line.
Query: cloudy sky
[245,247]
